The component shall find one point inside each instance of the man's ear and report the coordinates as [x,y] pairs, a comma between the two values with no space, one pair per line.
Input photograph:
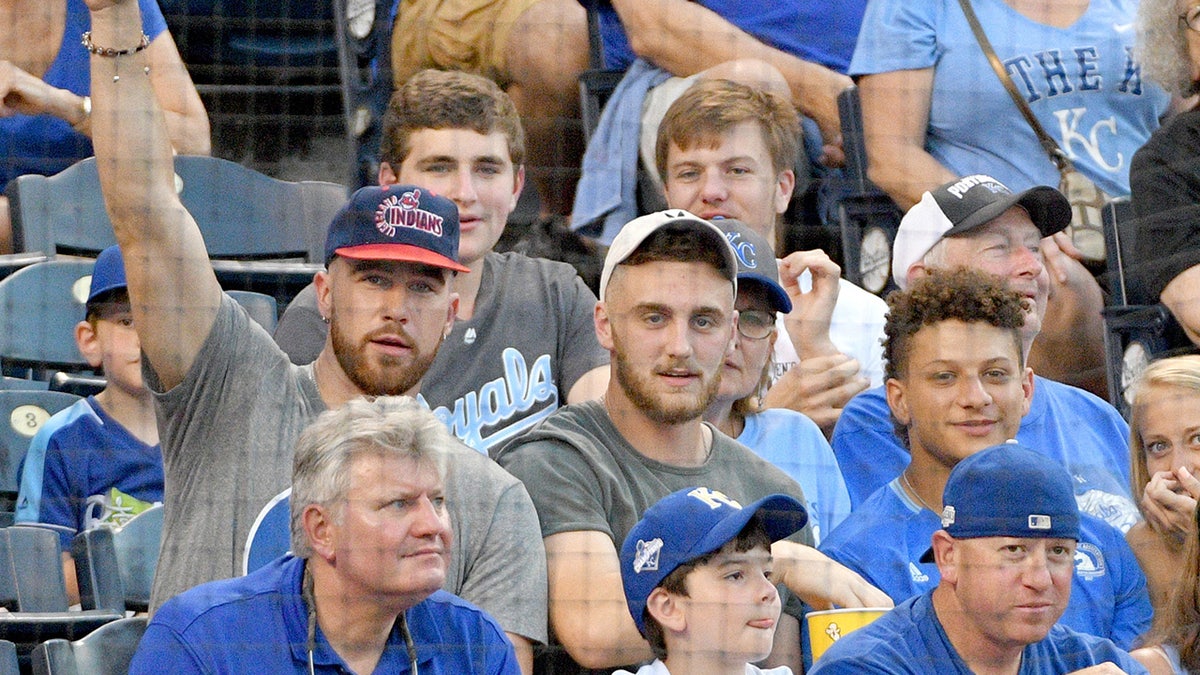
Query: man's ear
[387,176]
[897,400]
[785,184]
[1027,386]
[603,325]
[667,610]
[945,554]
[518,185]
[319,529]
[88,344]
[321,283]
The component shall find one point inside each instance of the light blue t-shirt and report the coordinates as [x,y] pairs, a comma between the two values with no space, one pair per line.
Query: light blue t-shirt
[885,538]
[1078,429]
[796,446]
[1081,83]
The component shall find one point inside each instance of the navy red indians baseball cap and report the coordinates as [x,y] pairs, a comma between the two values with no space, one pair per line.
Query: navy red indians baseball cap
[1009,491]
[396,222]
[690,523]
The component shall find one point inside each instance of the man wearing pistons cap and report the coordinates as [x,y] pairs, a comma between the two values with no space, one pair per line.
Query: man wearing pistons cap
[666,314]
[977,222]
[1006,553]
[229,402]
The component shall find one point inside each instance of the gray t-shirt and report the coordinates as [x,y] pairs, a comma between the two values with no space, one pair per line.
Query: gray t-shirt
[499,373]
[584,476]
[228,433]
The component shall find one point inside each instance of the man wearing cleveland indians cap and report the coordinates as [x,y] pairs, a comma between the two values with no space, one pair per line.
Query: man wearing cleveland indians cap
[978,223]
[1006,553]
[697,575]
[229,402]
[666,315]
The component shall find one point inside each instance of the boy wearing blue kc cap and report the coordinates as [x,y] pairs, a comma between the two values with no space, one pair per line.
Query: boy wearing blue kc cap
[697,577]
[1006,554]
[98,462]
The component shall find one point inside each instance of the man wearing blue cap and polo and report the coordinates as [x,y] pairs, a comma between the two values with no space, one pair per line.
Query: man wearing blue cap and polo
[230,403]
[697,575]
[1006,553]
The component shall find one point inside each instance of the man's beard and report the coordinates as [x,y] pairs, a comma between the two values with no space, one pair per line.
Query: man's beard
[393,376]
[662,407]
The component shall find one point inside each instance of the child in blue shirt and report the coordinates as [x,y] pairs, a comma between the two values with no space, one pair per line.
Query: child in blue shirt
[98,462]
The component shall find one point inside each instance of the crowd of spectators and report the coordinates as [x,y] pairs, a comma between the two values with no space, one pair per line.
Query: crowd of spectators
[490,466]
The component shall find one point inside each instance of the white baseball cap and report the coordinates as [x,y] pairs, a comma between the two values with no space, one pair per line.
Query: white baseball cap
[636,231]
[965,204]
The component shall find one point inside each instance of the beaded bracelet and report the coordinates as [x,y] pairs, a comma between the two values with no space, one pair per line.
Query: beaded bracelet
[109,51]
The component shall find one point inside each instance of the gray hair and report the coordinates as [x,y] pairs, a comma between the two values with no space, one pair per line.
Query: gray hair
[390,426]
[1161,47]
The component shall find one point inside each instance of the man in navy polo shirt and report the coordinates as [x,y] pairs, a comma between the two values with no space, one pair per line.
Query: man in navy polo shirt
[1006,552]
[372,540]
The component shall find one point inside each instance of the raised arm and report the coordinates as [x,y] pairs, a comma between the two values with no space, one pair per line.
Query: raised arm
[895,109]
[187,121]
[172,287]
[685,38]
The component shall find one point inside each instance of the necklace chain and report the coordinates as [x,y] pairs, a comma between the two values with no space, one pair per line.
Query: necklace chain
[913,491]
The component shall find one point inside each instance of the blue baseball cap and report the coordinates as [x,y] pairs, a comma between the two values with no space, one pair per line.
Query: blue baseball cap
[108,274]
[1008,490]
[396,222]
[690,523]
[755,261]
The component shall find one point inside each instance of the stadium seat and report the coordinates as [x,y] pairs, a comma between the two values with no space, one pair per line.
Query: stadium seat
[25,411]
[107,650]
[263,234]
[1134,334]
[33,592]
[115,568]
[39,307]
[867,217]
[364,30]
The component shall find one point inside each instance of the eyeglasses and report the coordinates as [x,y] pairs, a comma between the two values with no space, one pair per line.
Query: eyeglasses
[1191,18]
[755,324]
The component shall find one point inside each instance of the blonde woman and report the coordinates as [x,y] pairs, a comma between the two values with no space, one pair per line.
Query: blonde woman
[1164,443]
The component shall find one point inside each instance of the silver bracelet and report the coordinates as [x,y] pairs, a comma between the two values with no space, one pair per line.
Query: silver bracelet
[109,52]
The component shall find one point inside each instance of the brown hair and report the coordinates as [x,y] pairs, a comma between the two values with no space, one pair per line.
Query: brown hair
[961,294]
[710,108]
[437,99]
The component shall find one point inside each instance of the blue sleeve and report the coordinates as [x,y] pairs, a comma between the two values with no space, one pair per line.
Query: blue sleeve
[153,23]
[162,650]
[898,35]
[866,447]
[1132,613]
[29,482]
[60,505]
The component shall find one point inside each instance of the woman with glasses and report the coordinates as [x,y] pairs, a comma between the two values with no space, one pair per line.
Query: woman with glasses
[1164,448]
[1164,176]
[785,438]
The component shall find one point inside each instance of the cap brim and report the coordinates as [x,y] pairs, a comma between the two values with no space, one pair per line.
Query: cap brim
[399,253]
[782,516]
[1047,208]
[780,302]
